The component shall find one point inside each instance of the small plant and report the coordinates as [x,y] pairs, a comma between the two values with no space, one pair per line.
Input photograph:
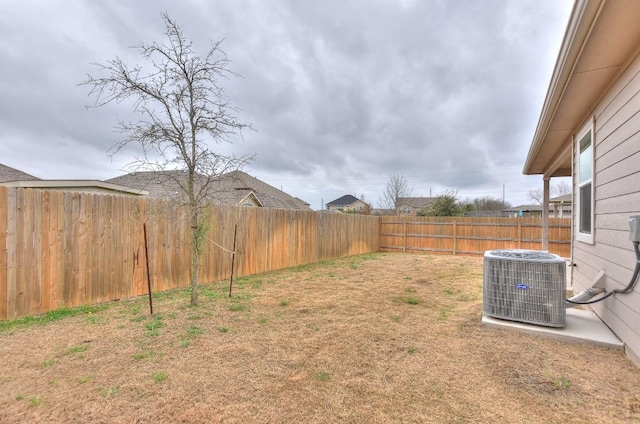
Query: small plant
[412,301]
[76,349]
[466,298]
[558,383]
[19,396]
[85,379]
[412,349]
[410,290]
[185,343]
[396,318]
[35,401]
[443,314]
[49,363]
[263,320]
[322,376]
[284,303]
[223,329]
[110,391]
[208,293]
[159,376]
[449,290]
[193,331]
[92,319]
[142,355]
[237,307]
[153,327]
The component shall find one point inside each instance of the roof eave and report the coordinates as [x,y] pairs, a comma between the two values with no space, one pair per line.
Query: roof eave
[582,16]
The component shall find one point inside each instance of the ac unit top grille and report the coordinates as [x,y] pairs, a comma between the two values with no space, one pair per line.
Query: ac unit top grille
[524,255]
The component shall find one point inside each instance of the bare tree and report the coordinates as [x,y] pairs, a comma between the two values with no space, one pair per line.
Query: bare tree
[489,203]
[535,195]
[397,187]
[184,112]
[562,188]
[559,189]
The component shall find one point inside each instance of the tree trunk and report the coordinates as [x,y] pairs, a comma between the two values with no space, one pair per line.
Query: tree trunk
[195,258]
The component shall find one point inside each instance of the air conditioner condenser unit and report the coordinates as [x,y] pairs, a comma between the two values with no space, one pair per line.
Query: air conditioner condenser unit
[525,285]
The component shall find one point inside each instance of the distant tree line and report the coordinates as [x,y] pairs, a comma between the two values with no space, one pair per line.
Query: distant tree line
[446,204]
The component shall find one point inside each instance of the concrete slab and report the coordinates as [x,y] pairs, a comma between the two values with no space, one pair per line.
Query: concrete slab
[581,327]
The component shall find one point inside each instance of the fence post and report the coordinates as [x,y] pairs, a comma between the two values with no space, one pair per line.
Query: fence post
[455,240]
[404,243]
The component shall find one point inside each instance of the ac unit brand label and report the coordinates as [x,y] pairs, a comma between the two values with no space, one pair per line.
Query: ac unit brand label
[522,286]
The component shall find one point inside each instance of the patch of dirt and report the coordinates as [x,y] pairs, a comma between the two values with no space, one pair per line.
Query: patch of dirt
[366,339]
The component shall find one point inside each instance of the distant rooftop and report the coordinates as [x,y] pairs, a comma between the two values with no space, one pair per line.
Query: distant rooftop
[8,173]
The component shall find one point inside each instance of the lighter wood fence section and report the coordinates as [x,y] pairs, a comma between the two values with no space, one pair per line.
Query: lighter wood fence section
[63,249]
[471,235]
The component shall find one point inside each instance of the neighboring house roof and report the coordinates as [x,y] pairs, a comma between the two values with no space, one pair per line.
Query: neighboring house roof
[525,208]
[417,202]
[269,196]
[8,173]
[567,198]
[600,37]
[159,184]
[230,188]
[534,208]
[346,200]
[90,186]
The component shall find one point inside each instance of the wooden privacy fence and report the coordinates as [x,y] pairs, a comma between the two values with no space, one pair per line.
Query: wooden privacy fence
[63,249]
[471,235]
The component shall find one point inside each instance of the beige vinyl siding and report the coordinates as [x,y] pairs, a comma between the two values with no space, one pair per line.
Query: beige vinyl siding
[617,197]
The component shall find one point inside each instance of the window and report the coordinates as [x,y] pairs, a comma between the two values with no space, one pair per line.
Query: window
[584,176]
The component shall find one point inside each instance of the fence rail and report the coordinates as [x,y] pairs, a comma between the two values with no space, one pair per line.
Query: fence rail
[471,235]
[64,249]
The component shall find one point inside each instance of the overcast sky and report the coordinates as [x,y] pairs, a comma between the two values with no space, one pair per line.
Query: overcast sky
[342,94]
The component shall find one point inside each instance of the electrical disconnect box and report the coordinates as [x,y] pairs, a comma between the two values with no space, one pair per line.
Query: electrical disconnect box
[634,228]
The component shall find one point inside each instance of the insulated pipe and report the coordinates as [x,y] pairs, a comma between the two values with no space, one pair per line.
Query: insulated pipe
[583,296]
[587,294]
[632,283]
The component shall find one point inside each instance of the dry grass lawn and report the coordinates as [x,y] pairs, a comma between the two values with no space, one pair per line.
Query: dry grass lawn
[367,339]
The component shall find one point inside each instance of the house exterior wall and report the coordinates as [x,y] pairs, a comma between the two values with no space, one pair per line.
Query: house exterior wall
[407,209]
[358,205]
[616,182]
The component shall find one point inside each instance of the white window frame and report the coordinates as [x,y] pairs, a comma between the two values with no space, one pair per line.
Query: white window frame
[585,237]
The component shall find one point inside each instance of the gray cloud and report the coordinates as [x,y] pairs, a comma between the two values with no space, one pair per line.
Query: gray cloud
[341,94]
